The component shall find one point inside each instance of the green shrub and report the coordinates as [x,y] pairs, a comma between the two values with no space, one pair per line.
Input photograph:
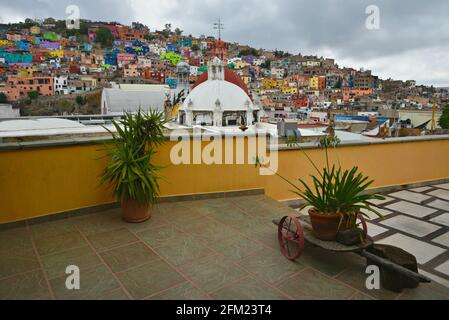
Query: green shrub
[130,170]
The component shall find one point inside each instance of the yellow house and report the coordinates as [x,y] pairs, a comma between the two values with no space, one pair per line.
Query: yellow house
[268,83]
[56,54]
[289,90]
[92,80]
[26,72]
[246,79]
[239,64]
[35,30]
[279,84]
[314,83]
[6,43]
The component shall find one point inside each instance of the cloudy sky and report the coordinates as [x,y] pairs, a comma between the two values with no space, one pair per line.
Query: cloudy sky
[411,43]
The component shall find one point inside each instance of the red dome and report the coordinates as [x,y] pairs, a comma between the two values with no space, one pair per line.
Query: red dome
[230,76]
[220,44]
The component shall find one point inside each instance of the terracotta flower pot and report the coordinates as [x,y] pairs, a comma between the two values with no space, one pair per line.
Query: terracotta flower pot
[325,226]
[134,212]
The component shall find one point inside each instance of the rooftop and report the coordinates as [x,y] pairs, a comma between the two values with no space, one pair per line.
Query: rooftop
[212,237]
[220,248]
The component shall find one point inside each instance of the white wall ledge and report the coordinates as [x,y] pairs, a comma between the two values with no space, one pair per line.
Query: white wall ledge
[348,143]
[281,147]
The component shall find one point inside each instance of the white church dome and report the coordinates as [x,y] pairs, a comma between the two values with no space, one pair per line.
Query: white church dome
[205,97]
[217,93]
[217,102]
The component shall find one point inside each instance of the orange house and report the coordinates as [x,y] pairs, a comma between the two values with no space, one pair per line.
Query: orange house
[128,34]
[321,83]
[18,88]
[349,94]
[301,80]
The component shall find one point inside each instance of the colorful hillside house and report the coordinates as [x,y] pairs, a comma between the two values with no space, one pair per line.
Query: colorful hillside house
[51,36]
[174,58]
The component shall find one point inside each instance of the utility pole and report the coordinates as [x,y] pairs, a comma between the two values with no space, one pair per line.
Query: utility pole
[434,109]
[396,117]
[219,26]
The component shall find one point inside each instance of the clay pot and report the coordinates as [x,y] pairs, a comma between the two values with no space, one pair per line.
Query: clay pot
[134,212]
[325,226]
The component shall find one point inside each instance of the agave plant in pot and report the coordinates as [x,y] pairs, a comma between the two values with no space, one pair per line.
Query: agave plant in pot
[130,171]
[337,197]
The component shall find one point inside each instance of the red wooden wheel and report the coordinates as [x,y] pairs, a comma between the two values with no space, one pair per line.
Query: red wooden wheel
[364,225]
[291,237]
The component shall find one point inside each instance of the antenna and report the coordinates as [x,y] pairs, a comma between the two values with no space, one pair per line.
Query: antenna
[219,26]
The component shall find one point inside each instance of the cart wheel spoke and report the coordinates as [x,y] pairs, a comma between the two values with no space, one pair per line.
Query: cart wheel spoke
[364,225]
[290,237]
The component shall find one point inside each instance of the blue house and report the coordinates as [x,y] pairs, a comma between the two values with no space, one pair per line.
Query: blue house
[172,82]
[185,43]
[110,57]
[172,48]
[86,47]
[22,45]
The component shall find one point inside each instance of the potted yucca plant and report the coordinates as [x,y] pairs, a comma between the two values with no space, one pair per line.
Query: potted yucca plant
[336,196]
[130,170]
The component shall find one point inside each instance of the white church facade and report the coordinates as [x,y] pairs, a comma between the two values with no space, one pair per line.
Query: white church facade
[217,102]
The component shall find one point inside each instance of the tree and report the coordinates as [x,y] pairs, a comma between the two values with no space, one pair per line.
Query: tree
[167,30]
[84,28]
[3,98]
[337,85]
[148,37]
[178,32]
[33,95]
[60,26]
[444,120]
[49,21]
[281,54]
[266,64]
[104,36]
[81,100]
[247,52]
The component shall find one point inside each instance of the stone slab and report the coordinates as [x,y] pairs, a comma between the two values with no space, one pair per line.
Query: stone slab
[424,252]
[440,193]
[410,196]
[443,268]
[411,209]
[410,225]
[442,240]
[442,219]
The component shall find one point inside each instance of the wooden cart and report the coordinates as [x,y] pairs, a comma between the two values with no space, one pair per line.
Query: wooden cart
[294,231]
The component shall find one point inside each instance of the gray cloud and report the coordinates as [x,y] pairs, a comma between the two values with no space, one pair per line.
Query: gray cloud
[412,42]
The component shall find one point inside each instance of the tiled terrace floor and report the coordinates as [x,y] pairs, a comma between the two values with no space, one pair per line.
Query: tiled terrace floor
[222,248]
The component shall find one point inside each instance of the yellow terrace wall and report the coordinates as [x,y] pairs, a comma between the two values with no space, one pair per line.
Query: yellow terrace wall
[388,164]
[45,180]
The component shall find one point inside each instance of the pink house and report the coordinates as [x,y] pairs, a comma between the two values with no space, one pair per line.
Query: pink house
[124,59]
[114,30]
[92,36]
